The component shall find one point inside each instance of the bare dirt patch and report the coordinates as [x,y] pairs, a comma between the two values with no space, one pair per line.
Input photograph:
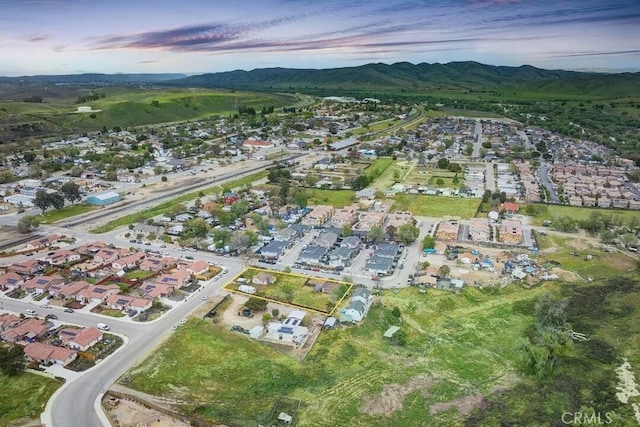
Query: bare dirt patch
[131,414]
[578,244]
[565,276]
[465,405]
[390,399]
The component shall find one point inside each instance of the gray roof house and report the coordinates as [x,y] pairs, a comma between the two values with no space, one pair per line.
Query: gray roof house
[341,256]
[352,242]
[379,265]
[285,235]
[312,255]
[273,249]
[326,240]
[358,307]
[387,250]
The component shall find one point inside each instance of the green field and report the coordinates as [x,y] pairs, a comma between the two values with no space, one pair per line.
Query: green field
[392,172]
[24,397]
[335,198]
[461,359]
[51,217]
[291,289]
[548,212]
[435,206]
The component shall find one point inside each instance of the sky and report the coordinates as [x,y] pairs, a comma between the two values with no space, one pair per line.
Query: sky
[200,36]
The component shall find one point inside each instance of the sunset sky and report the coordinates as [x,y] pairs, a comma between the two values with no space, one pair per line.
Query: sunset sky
[198,36]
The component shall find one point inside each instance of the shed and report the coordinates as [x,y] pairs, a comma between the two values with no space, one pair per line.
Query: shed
[330,322]
[103,199]
[256,332]
[392,330]
[247,289]
[285,418]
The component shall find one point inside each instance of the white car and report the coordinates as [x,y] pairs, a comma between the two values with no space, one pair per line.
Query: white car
[206,297]
[182,322]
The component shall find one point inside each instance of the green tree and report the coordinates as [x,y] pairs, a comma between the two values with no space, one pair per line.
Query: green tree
[346,230]
[407,233]
[443,163]
[56,200]
[375,233]
[429,242]
[256,304]
[42,200]
[11,360]
[71,191]
[111,176]
[444,271]
[28,223]
[197,227]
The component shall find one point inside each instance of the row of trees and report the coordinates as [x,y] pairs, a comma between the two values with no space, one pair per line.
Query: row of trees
[45,199]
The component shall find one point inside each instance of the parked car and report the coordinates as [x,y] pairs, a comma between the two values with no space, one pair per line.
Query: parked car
[68,310]
[51,316]
[188,257]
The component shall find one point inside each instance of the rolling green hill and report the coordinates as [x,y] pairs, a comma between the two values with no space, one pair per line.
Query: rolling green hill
[454,76]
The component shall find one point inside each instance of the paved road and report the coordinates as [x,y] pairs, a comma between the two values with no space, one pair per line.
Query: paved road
[478,141]
[490,177]
[545,180]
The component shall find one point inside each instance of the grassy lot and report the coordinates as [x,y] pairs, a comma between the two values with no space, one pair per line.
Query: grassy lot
[460,349]
[166,206]
[113,313]
[574,255]
[24,397]
[291,289]
[393,172]
[336,198]
[435,206]
[54,216]
[137,274]
[548,212]
[378,167]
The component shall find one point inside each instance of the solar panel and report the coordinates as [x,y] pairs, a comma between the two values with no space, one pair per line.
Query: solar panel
[122,301]
[285,330]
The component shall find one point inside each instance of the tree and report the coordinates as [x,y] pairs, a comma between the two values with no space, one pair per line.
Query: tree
[42,200]
[346,230]
[444,271]
[407,233]
[256,304]
[443,163]
[111,176]
[375,233]
[439,182]
[28,223]
[429,242]
[300,198]
[71,191]
[11,360]
[56,200]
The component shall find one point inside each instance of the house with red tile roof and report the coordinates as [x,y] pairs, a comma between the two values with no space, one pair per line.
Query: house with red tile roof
[91,248]
[26,268]
[97,293]
[41,283]
[10,280]
[28,330]
[156,290]
[80,339]
[177,279]
[126,303]
[8,321]
[42,242]
[510,207]
[129,261]
[195,268]
[156,263]
[71,289]
[47,354]
[62,256]
[108,255]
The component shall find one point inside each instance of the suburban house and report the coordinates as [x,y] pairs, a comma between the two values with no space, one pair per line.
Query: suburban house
[399,219]
[47,354]
[8,321]
[387,250]
[273,249]
[324,286]
[10,281]
[263,278]
[176,279]
[290,331]
[318,216]
[26,268]
[97,293]
[108,255]
[198,268]
[358,306]
[69,290]
[154,290]
[80,339]
[155,263]
[346,216]
[90,248]
[28,330]
[41,243]
[62,256]
[351,242]
[341,256]
[326,239]
[312,255]
[128,262]
[126,303]
[366,220]
[285,235]
[379,266]
[40,284]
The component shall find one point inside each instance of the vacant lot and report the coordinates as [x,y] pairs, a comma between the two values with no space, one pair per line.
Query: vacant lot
[548,212]
[292,289]
[24,397]
[336,198]
[435,206]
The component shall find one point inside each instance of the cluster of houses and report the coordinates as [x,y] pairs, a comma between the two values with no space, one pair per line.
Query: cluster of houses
[482,230]
[68,282]
[43,343]
[595,185]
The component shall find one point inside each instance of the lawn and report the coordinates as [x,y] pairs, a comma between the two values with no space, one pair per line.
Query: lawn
[436,206]
[290,289]
[54,216]
[548,212]
[335,198]
[393,172]
[137,274]
[24,397]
